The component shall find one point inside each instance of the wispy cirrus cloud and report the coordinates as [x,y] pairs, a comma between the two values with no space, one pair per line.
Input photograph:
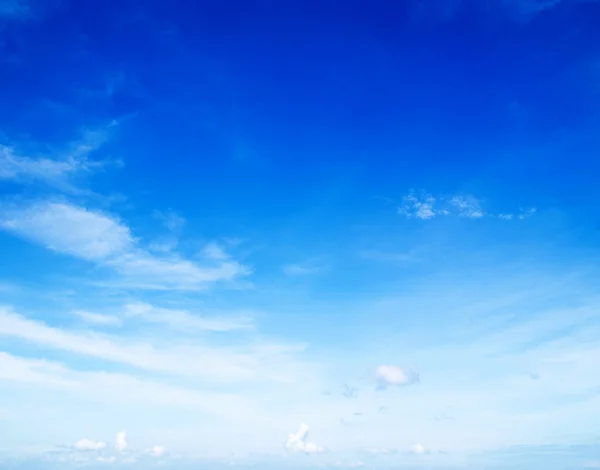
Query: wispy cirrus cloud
[245,362]
[61,169]
[98,319]
[105,240]
[425,206]
[184,320]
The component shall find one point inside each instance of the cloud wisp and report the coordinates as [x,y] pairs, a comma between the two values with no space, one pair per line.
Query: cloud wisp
[204,362]
[64,169]
[424,206]
[106,241]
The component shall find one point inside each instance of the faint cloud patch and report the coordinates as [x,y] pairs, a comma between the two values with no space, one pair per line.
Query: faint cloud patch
[121,442]
[64,169]
[98,319]
[393,376]
[419,207]
[88,444]
[525,213]
[87,452]
[467,206]
[184,320]
[14,9]
[298,442]
[418,449]
[215,252]
[425,206]
[170,219]
[306,268]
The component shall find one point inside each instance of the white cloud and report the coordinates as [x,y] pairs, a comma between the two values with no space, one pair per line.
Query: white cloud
[33,371]
[63,168]
[121,442]
[87,451]
[426,207]
[69,229]
[88,444]
[157,451]
[98,319]
[418,449]
[103,239]
[252,362]
[387,375]
[298,442]
[215,252]
[104,388]
[419,207]
[467,206]
[145,271]
[184,320]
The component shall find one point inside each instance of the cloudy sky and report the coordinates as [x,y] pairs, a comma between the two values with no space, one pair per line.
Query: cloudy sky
[270,234]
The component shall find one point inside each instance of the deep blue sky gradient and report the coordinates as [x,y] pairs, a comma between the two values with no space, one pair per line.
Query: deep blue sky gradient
[298,128]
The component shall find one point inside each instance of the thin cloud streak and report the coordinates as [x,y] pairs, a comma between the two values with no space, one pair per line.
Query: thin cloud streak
[105,240]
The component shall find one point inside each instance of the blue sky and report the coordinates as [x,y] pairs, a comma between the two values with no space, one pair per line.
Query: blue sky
[299,234]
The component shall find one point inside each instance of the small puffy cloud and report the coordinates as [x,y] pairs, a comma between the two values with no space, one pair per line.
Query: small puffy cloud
[88,444]
[121,442]
[387,375]
[298,442]
[108,459]
[157,451]
[426,206]
[419,207]
[418,449]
